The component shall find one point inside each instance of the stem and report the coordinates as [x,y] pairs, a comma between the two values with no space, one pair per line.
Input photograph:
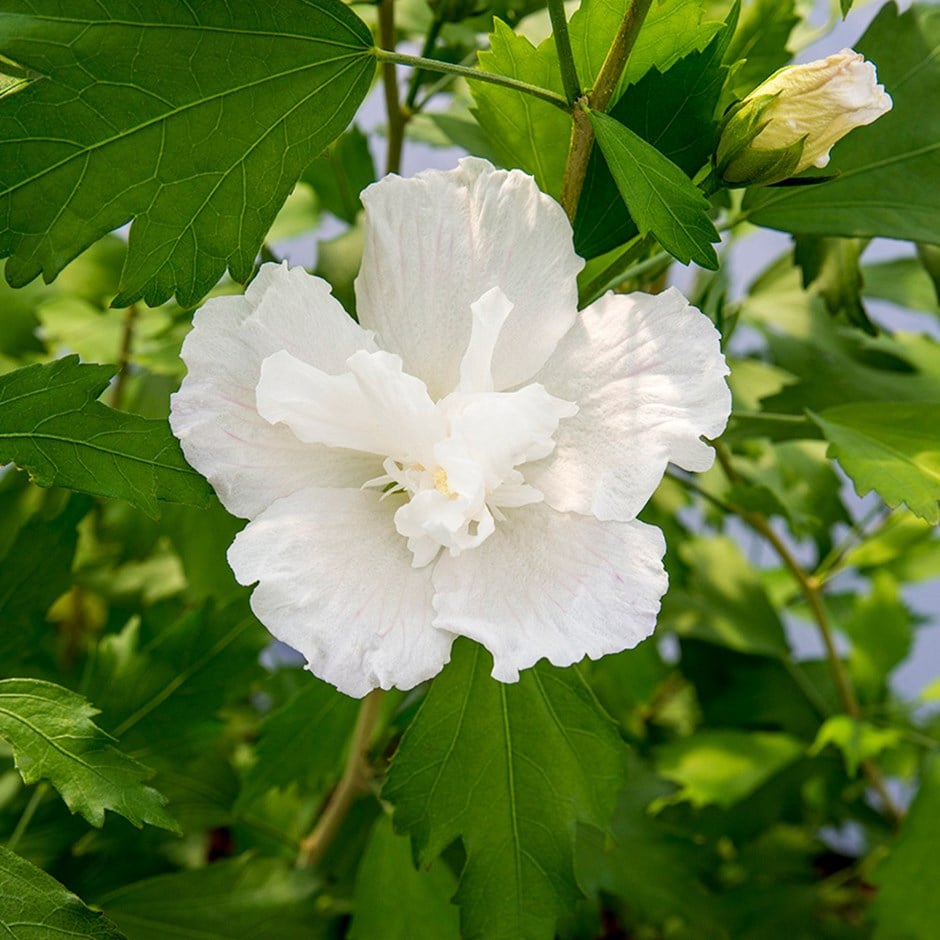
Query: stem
[430,40]
[124,356]
[353,783]
[569,73]
[811,588]
[473,74]
[396,119]
[29,811]
[582,134]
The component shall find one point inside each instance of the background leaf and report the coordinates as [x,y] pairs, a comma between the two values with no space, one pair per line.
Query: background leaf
[392,896]
[35,905]
[908,904]
[509,769]
[229,900]
[54,738]
[52,426]
[196,120]
[891,447]
[888,173]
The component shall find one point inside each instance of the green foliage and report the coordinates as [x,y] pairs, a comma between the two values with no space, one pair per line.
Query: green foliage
[888,179]
[735,792]
[907,904]
[890,447]
[674,111]
[661,198]
[52,426]
[723,767]
[33,905]
[152,128]
[542,756]
[392,896]
[54,739]
[258,898]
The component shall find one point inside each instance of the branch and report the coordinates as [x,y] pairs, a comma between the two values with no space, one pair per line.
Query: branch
[396,119]
[582,134]
[353,784]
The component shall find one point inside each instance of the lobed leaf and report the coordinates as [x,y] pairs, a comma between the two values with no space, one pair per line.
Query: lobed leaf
[54,738]
[510,770]
[52,426]
[890,447]
[195,120]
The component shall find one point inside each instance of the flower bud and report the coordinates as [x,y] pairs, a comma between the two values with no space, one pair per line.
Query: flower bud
[791,121]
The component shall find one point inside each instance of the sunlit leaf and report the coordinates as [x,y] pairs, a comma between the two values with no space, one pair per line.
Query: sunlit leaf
[54,739]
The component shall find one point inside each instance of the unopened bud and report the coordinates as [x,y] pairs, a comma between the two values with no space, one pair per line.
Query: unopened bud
[791,121]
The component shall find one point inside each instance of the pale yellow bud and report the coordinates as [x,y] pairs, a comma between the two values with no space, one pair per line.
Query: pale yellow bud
[792,120]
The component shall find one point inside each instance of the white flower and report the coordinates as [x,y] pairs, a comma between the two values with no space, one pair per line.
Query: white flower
[791,121]
[470,460]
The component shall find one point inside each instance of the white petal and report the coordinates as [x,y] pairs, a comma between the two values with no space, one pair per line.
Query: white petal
[436,243]
[647,374]
[337,584]
[552,585]
[250,462]
[374,407]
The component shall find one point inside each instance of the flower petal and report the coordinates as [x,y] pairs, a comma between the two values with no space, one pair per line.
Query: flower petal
[249,461]
[552,585]
[648,376]
[437,242]
[336,583]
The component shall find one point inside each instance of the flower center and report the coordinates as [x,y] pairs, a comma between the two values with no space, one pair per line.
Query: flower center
[455,460]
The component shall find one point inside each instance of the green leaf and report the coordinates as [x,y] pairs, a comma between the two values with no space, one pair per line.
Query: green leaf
[902,281]
[229,900]
[907,905]
[195,120]
[759,46]
[831,268]
[888,173]
[657,869]
[675,112]
[890,447]
[54,738]
[672,29]
[721,768]
[33,906]
[392,897]
[52,426]
[723,601]
[341,173]
[881,630]
[35,572]
[318,715]
[524,131]
[857,740]
[660,197]
[510,770]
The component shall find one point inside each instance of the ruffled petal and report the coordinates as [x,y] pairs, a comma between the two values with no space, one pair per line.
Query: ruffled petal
[336,583]
[647,374]
[436,243]
[552,585]
[248,460]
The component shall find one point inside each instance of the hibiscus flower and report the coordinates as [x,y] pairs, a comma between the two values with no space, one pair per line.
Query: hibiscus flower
[467,460]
